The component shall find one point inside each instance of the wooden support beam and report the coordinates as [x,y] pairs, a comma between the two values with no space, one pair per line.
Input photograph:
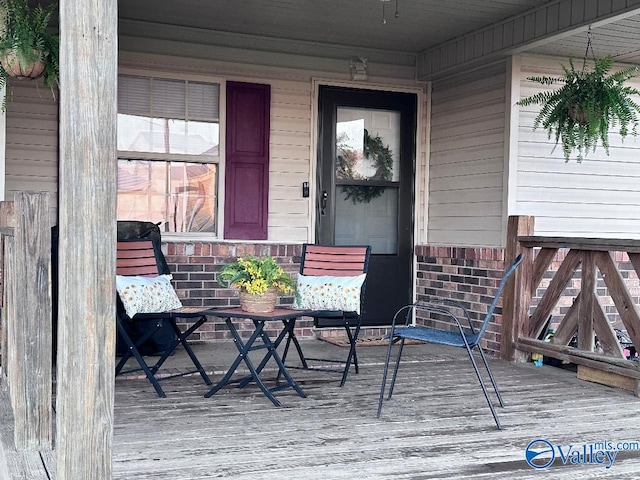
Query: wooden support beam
[87,239]
[517,293]
[541,265]
[29,328]
[581,357]
[553,293]
[609,379]
[568,325]
[586,306]
[7,222]
[620,296]
[635,261]
[578,243]
[603,329]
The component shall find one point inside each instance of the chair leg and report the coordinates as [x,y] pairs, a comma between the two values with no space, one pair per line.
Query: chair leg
[386,369]
[291,337]
[182,338]
[133,351]
[136,345]
[395,369]
[296,344]
[484,388]
[353,356]
[493,381]
[353,340]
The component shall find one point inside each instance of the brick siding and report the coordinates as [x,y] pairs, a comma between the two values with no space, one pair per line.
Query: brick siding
[468,275]
[472,275]
[195,267]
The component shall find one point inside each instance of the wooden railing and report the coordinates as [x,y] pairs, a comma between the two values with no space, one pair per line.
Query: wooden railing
[26,346]
[586,318]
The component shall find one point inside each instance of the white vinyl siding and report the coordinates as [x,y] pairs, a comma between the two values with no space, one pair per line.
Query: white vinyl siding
[289,166]
[467,160]
[292,126]
[31,162]
[292,151]
[599,197]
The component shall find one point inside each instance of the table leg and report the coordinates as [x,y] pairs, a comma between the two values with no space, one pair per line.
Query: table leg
[289,324]
[272,352]
[242,349]
[270,346]
[243,356]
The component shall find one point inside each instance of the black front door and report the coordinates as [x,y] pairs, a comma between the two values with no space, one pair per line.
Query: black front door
[366,160]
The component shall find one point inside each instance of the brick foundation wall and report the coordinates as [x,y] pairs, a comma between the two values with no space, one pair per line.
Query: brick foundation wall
[468,275]
[472,276]
[195,267]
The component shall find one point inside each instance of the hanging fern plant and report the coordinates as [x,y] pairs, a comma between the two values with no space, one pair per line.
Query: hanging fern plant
[27,49]
[374,150]
[589,103]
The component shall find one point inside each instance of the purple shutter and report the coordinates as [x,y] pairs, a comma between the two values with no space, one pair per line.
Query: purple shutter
[247,161]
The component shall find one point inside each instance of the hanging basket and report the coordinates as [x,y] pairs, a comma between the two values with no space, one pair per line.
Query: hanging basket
[15,69]
[579,113]
[263,303]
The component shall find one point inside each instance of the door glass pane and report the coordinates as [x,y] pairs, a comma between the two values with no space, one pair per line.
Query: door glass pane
[367,174]
[367,144]
[368,223]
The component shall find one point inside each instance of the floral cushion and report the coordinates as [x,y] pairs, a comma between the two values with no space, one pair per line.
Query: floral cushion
[329,293]
[147,294]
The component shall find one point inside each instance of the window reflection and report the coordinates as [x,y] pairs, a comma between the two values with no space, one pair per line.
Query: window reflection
[165,135]
[181,195]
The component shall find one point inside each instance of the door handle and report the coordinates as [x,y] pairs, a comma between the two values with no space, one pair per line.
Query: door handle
[323,202]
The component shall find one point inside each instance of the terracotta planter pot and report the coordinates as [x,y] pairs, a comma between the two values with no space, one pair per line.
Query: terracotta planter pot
[259,303]
[14,69]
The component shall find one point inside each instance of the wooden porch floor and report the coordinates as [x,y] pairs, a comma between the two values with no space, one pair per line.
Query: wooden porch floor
[436,426]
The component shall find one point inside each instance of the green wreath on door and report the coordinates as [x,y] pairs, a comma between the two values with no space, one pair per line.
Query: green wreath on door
[374,150]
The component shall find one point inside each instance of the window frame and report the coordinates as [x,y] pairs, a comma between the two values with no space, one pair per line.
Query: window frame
[180,157]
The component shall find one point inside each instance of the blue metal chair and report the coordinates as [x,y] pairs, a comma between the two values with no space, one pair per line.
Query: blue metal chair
[466,337]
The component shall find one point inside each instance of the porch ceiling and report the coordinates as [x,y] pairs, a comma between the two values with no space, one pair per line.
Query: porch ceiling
[419,26]
[420,23]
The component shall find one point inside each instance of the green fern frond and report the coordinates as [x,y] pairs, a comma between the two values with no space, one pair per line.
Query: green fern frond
[25,35]
[581,112]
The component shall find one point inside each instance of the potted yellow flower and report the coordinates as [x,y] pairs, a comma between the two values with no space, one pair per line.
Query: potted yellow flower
[259,280]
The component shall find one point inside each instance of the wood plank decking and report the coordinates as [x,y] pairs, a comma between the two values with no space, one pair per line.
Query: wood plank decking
[436,426]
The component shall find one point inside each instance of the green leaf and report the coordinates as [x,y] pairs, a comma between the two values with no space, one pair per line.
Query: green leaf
[580,113]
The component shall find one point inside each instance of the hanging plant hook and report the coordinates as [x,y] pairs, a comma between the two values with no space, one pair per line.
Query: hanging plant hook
[589,49]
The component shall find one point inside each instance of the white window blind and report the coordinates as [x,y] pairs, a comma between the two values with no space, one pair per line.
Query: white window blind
[165,98]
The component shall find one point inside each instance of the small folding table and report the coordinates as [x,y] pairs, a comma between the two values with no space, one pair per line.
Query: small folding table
[285,315]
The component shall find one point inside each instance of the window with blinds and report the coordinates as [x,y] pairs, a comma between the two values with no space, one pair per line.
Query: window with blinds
[168,148]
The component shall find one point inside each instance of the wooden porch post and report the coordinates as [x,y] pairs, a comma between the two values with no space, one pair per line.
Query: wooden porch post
[29,331]
[587,304]
[517,294]
[87,239]
[7,222]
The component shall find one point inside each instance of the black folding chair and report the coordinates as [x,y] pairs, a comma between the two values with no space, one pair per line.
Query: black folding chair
[460,336]
[142,258]
[334,261]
